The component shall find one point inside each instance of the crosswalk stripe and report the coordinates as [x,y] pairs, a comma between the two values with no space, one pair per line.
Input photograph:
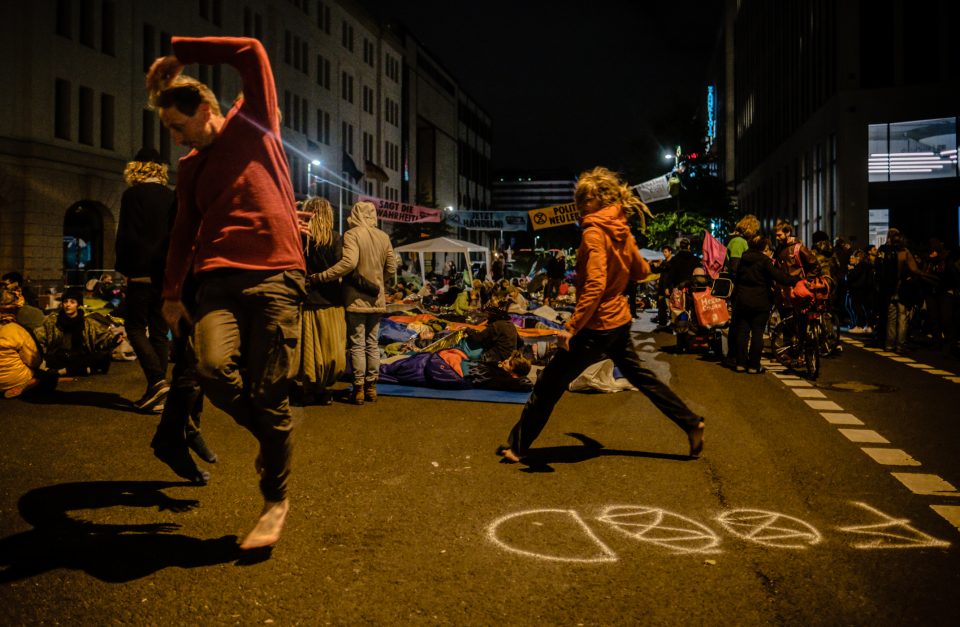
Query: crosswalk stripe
[929,485]
[868,436]
[824,405]
[950,512]
[840,418]
[890,456]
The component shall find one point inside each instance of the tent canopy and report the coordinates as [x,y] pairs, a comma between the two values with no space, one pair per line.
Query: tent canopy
[445,245]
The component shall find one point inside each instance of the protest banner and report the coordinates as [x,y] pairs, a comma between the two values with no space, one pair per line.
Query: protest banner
[655,189]
[557,215]
[395,211]
[489,220]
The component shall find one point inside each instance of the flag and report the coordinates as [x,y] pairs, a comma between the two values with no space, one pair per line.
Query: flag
[714,255]
[350,167]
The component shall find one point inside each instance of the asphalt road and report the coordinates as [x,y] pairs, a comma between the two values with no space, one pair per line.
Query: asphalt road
[401,513]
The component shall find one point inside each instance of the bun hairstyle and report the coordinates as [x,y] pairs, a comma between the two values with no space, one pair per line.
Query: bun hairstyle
[183,92]
[608,188]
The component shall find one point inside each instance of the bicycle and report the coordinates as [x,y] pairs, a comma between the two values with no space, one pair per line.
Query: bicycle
[813,328]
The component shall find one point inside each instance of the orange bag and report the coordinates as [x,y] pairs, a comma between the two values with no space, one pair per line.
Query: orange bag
[711,311]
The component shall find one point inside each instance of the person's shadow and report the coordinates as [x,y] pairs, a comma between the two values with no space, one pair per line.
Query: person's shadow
[83,398]
[539,459]
[110,552]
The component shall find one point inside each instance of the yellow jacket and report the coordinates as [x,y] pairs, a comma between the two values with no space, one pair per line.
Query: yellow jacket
[19,356]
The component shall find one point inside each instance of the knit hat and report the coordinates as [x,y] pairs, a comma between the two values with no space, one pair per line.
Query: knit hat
[148,155]
[74,292]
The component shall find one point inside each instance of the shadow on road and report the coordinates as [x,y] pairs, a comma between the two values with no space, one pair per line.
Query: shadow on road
[110,552]
[83,398]
[539,459]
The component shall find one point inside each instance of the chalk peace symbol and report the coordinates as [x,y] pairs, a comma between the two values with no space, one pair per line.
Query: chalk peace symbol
[660,527]
[769,528]
[539,218]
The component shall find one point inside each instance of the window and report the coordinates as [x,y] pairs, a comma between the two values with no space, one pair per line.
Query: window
[106,121]
[61,116]
[323,127]
[346,86]
[296,113]
[323,17]
[392,67]
[367,146]
[304,58]
[287,48]
[287,105]
[392,112]
[85,108]
[346,137]
[108,18]
[347,36]
[367,99]
[148,131]
[215,11]
[304,122]
[86,23]
[368,52]
[204,9]
[65,18]
[323,71]
[919,149]
[149,52]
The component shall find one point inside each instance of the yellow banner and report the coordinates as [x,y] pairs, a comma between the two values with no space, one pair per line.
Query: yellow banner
[557,215]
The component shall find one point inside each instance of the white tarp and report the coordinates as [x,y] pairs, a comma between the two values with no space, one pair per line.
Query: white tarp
[655,189]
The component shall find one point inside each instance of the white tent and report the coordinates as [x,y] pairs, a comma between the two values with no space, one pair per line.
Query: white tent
[445,245]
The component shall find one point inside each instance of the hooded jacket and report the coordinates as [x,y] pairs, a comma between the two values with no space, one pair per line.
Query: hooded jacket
[607,259]
[367,250]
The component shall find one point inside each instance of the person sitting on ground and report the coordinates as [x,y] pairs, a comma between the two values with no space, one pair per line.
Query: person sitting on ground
[517,302]
[19,356]
[499,339]
[29,294]
[76,342]
[508,374]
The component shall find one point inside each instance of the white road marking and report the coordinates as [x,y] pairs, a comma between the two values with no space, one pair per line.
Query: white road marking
[873,349]
[950,512]
[892,533]
[604,553]
[824,405]
[920,366]
[954,379]
[942,373]
[902,360]
[864,435]
[890,456]
[930,485]
[785,377]
[797,383]
[769,528]
[841,419]
[886,354]
[808,393]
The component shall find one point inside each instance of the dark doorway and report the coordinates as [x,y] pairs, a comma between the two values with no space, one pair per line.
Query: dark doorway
[82,241]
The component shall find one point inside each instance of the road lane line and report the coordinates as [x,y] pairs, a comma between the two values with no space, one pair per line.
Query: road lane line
[824,405]
[903,360]
[797,383]
[890,456]
[954,379]
[950,512]
[942,373]
[886,354]
[920,366]
[808,393]
[873,349]
[929,485]
[841,419]
[864,435]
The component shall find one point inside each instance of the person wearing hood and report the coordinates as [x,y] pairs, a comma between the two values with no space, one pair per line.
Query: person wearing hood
[19,356]
[608,257]
[367,259]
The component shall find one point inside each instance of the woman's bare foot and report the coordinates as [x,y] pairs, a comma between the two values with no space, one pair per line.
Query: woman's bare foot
[267,531]
[696,440]
[506,453]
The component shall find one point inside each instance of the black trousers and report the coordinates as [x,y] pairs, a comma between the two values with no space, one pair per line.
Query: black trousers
[588,347]
[143,314]
[748,336]
[184,404]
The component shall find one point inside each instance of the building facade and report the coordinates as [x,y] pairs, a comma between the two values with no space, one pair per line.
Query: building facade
[842,116]
[361,114]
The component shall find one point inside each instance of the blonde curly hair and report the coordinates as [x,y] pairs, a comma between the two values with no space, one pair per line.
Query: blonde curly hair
[140,171]
[321,220]
[608,188]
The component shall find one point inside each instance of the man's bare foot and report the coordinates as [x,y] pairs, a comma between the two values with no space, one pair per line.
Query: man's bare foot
[267,531]
[696,440]
[506,453]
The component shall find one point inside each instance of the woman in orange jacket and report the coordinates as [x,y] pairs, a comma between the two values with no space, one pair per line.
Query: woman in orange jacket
[607,259]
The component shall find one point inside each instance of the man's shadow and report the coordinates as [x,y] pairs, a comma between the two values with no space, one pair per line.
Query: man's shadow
[83,398]
[110,552]
[539,459]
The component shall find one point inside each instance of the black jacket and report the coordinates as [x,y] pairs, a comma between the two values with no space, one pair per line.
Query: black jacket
[320,258]
[682,266]
[143,233]
[756,276]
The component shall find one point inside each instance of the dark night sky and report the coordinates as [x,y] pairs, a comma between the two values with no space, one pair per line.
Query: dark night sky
[570,85]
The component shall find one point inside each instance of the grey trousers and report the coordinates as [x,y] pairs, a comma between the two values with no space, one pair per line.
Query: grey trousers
[363,331]
[246,340]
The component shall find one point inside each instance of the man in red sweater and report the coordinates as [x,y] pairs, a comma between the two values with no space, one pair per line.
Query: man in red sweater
[236,231]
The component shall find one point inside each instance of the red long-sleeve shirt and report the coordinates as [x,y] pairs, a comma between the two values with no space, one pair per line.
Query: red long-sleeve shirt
[236,207]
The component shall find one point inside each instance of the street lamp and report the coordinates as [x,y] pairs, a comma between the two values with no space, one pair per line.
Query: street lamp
[311,183]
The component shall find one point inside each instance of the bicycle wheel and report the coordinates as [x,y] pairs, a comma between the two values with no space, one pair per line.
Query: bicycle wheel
[811,351]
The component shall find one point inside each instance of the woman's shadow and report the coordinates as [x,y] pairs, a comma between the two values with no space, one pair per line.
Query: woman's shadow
[109,552]
[539,459]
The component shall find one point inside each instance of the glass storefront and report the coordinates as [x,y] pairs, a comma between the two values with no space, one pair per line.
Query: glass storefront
[918,149]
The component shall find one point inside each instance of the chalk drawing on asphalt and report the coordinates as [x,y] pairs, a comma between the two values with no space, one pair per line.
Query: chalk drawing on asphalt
[891,533]
[538,523]
[769,528]
[662,528]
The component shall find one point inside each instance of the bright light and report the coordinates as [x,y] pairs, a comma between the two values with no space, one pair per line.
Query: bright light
[668,157]
[315,162]
[448,208]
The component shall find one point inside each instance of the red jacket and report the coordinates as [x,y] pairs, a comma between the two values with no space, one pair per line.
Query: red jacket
[607,259]
[236,207]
